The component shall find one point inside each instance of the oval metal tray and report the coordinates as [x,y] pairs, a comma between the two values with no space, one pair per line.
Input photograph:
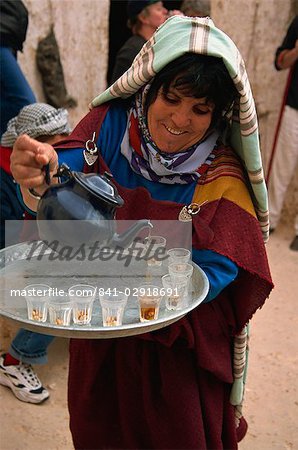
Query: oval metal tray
[21,266]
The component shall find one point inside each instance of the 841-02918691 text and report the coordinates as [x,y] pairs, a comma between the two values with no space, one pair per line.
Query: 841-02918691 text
[139,291]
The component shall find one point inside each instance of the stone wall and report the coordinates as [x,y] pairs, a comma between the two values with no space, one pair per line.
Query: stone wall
[81,31]
[258,28]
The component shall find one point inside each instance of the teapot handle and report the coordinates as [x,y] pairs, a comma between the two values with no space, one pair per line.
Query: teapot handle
[62,171]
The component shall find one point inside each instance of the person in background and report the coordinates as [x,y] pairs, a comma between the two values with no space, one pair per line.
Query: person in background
[144,17]
[284,157]
[15,90]
[196,8]
[174,137]
[46,124]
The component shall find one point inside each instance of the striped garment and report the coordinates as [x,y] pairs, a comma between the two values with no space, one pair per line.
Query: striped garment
[179,35]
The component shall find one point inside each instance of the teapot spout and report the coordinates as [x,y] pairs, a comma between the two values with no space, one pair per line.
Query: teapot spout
[126,238]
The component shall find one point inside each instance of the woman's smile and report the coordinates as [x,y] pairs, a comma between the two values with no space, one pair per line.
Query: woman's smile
[177,122]
[175,132]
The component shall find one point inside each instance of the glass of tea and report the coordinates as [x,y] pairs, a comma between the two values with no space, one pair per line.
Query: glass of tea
[82,297]
[60,309]
[112,303]
[36,297]
[155,250]
[149,297]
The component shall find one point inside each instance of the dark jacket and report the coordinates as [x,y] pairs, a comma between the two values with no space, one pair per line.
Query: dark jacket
[287,44]
[126,55]
[13,24]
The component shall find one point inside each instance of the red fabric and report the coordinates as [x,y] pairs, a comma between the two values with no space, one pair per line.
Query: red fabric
[242,244]
[9,360]
[143,395]
[170,389]
[85,129]
[5,153]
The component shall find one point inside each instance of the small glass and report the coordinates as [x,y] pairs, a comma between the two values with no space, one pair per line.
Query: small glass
[36,298]
[176,291]
[149,297]
[113,303]
[60,309]
[180,269]
[82,298]
[155,250]
[178,255]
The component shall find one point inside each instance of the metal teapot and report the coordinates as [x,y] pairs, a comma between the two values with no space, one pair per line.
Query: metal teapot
[81,209]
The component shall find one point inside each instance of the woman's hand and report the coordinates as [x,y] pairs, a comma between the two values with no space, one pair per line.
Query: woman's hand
[27,163]
[28,159]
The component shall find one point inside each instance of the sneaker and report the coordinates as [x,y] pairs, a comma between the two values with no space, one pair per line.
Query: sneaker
[23,382]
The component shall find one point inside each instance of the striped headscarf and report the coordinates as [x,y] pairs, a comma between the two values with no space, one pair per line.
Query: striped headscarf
[179,35]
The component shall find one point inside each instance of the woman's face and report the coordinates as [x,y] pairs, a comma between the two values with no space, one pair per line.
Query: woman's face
[177,122]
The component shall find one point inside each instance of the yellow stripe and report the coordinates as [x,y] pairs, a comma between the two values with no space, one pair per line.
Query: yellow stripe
[226,187]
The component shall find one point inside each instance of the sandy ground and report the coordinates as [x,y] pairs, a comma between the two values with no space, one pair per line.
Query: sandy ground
[271,394]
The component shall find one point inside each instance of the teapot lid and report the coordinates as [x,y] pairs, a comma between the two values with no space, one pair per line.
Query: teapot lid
[100,186]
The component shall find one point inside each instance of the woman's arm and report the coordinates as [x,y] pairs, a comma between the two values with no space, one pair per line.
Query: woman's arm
[220,270]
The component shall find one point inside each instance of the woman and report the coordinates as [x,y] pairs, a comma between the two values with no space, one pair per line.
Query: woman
[173,388]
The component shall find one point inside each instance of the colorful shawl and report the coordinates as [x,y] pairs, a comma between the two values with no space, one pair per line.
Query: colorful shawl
[179,35]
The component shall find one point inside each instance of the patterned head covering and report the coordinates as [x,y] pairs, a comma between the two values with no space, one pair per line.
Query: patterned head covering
[37,119]
[179,35]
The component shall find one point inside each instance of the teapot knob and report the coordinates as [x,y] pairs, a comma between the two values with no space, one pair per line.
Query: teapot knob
[63,171]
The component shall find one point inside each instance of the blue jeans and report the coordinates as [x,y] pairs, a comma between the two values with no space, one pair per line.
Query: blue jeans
[15,90]
[30,347]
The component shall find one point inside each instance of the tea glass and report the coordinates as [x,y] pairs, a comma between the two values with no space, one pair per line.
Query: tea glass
[60,309]
[178,255]
[149,297]
[82,297]
[180,269]
[36,298]
[155,250]
[176,291]
[113,303]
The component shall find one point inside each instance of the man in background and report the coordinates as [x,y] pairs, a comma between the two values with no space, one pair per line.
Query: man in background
[144,17]
[283,162]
